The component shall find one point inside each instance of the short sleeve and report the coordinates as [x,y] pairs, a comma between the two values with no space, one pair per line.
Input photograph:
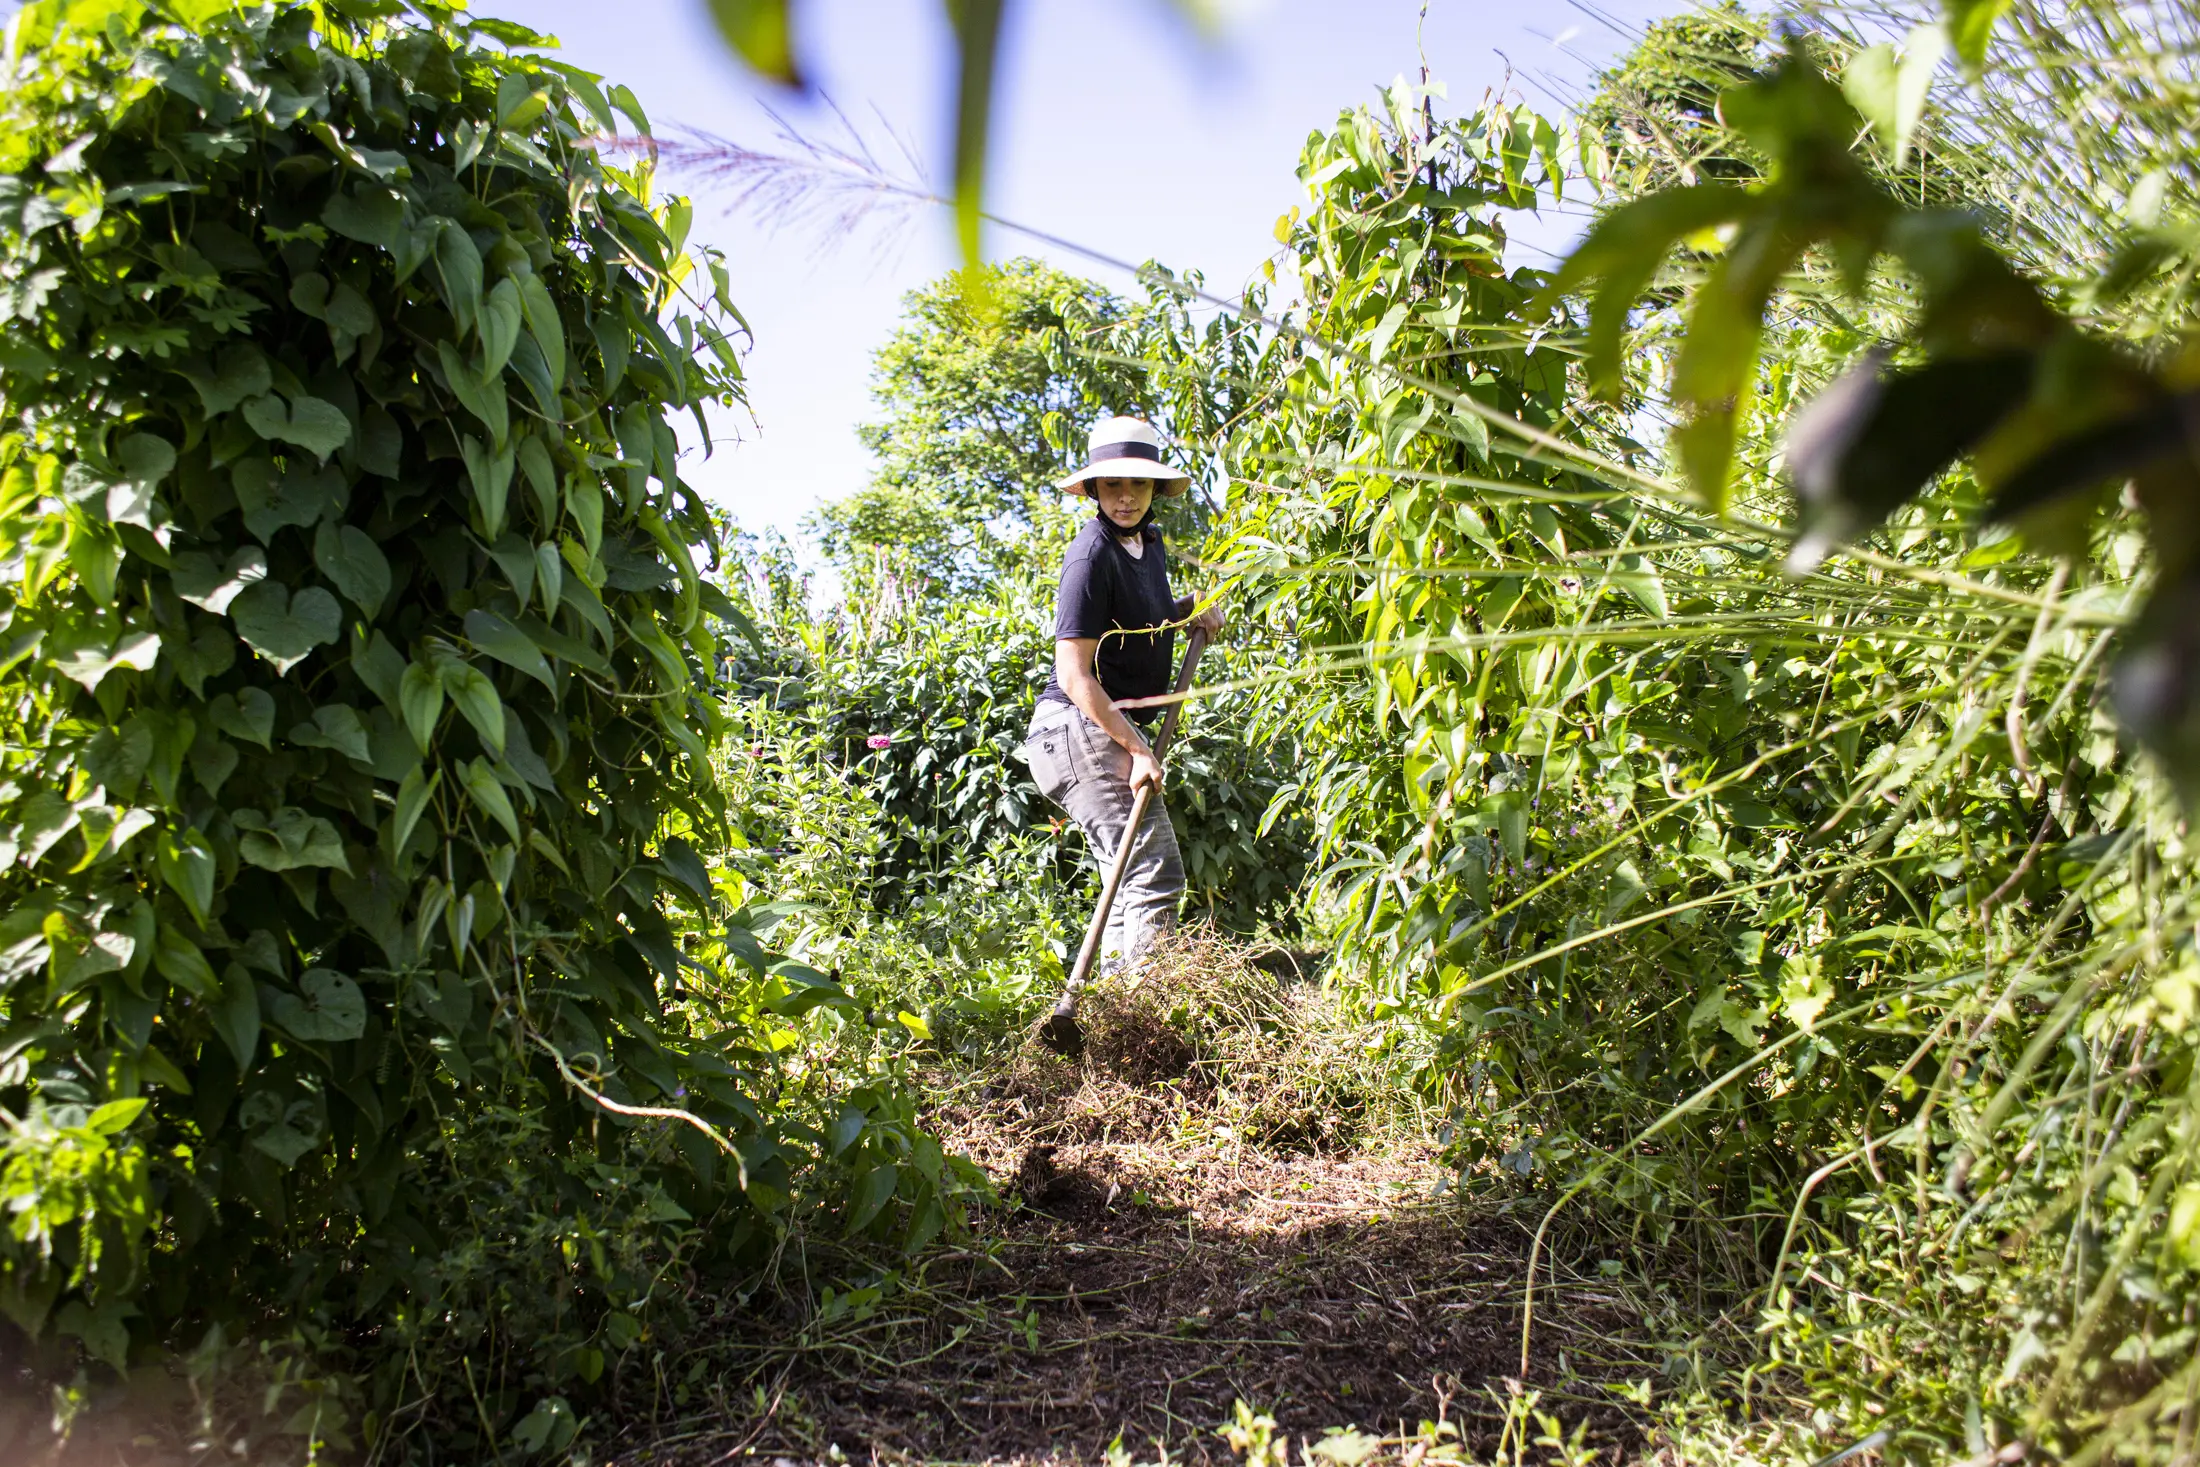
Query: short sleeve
[1081,606]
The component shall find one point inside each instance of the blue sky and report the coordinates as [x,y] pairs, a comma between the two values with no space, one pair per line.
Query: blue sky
[1116,126]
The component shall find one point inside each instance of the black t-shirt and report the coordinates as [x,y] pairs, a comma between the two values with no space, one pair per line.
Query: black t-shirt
[1123,601]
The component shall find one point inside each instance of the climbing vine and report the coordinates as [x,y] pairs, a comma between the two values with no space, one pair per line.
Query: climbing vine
[351,698]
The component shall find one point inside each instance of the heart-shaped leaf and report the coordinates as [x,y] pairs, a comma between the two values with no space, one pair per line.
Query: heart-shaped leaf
[186,863]
[89,661]
[544,326]
[412,802]
[319,427]
[516,558]
[238,373]
[484,397]
[367,214]
[204,584]
[335,726]
[420,699]
[145,460]
[182,963]
[459,262]
[328,1008]
[290,840]
[283,1131]
[476,697]
[282,627]
[483,788]
[494,635]
[348,556]
[249,715]
[272,499]
[236,1014]
[501,317]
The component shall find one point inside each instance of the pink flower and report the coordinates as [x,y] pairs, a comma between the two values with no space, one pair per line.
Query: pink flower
[880,741]
[756,751]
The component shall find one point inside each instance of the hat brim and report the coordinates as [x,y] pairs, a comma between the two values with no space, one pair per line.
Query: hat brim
[1168,482]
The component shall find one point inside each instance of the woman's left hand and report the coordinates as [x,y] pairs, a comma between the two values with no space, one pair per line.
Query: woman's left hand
[1209,619]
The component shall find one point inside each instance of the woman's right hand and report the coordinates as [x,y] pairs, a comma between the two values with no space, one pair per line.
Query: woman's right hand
[1145,770]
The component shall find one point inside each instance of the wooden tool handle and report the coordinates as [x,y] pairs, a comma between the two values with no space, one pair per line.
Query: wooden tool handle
[1196,644]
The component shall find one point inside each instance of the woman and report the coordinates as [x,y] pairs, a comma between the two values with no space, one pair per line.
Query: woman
[1114,642]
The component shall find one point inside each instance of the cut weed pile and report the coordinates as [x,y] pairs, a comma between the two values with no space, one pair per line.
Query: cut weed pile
[1218,1203]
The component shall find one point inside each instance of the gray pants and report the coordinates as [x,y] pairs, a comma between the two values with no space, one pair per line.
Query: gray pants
[1088,774]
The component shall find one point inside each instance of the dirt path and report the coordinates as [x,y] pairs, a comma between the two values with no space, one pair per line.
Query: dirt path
[1152,1266]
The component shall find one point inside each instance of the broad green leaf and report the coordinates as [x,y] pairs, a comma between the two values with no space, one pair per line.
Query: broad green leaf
[549,576]
[507,644]
[327,1009]
[412,802]
[280,1130]
[584,497]
[483,788]
[283,627]
[103,1327]
[1890,92]
[1624,890]
[367,214]
[1624,250]
[236,1014]
[273,500]
[1868,81]
[459,263]
[476,697]
[182,963]
[113,1118]
[89,662]
[759,31]
[566,649]
[527,365]
[201,582]
[2183,1233]
[248,715]
[681,861]
[499,324]
[543,324]
[238,373]
[1971,26]
[348,556]
[490,474]
[871,1195]
[316,426]
[484,397]
[516,558]
[542,478]
[420,700]
[335,726]
[186,863]
[290,840]
[519,102]
[144,460]
[977,36]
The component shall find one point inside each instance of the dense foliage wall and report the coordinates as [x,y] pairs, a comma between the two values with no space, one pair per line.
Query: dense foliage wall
[355,737]
[1821,919]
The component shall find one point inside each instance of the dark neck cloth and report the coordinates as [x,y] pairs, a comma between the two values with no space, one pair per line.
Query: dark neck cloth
[1125,604]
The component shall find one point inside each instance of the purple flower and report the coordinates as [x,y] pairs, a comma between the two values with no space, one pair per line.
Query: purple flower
[880,741]
[756,751]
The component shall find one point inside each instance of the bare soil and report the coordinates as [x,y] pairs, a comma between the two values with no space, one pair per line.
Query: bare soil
[1156,1260]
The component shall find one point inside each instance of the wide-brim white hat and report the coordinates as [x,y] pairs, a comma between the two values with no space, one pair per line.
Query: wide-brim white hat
[1126,448]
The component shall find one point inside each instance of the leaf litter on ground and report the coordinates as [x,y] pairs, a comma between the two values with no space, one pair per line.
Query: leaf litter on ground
[1219,1204]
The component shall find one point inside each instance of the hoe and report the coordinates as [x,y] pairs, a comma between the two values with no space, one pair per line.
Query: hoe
[1060,1032]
